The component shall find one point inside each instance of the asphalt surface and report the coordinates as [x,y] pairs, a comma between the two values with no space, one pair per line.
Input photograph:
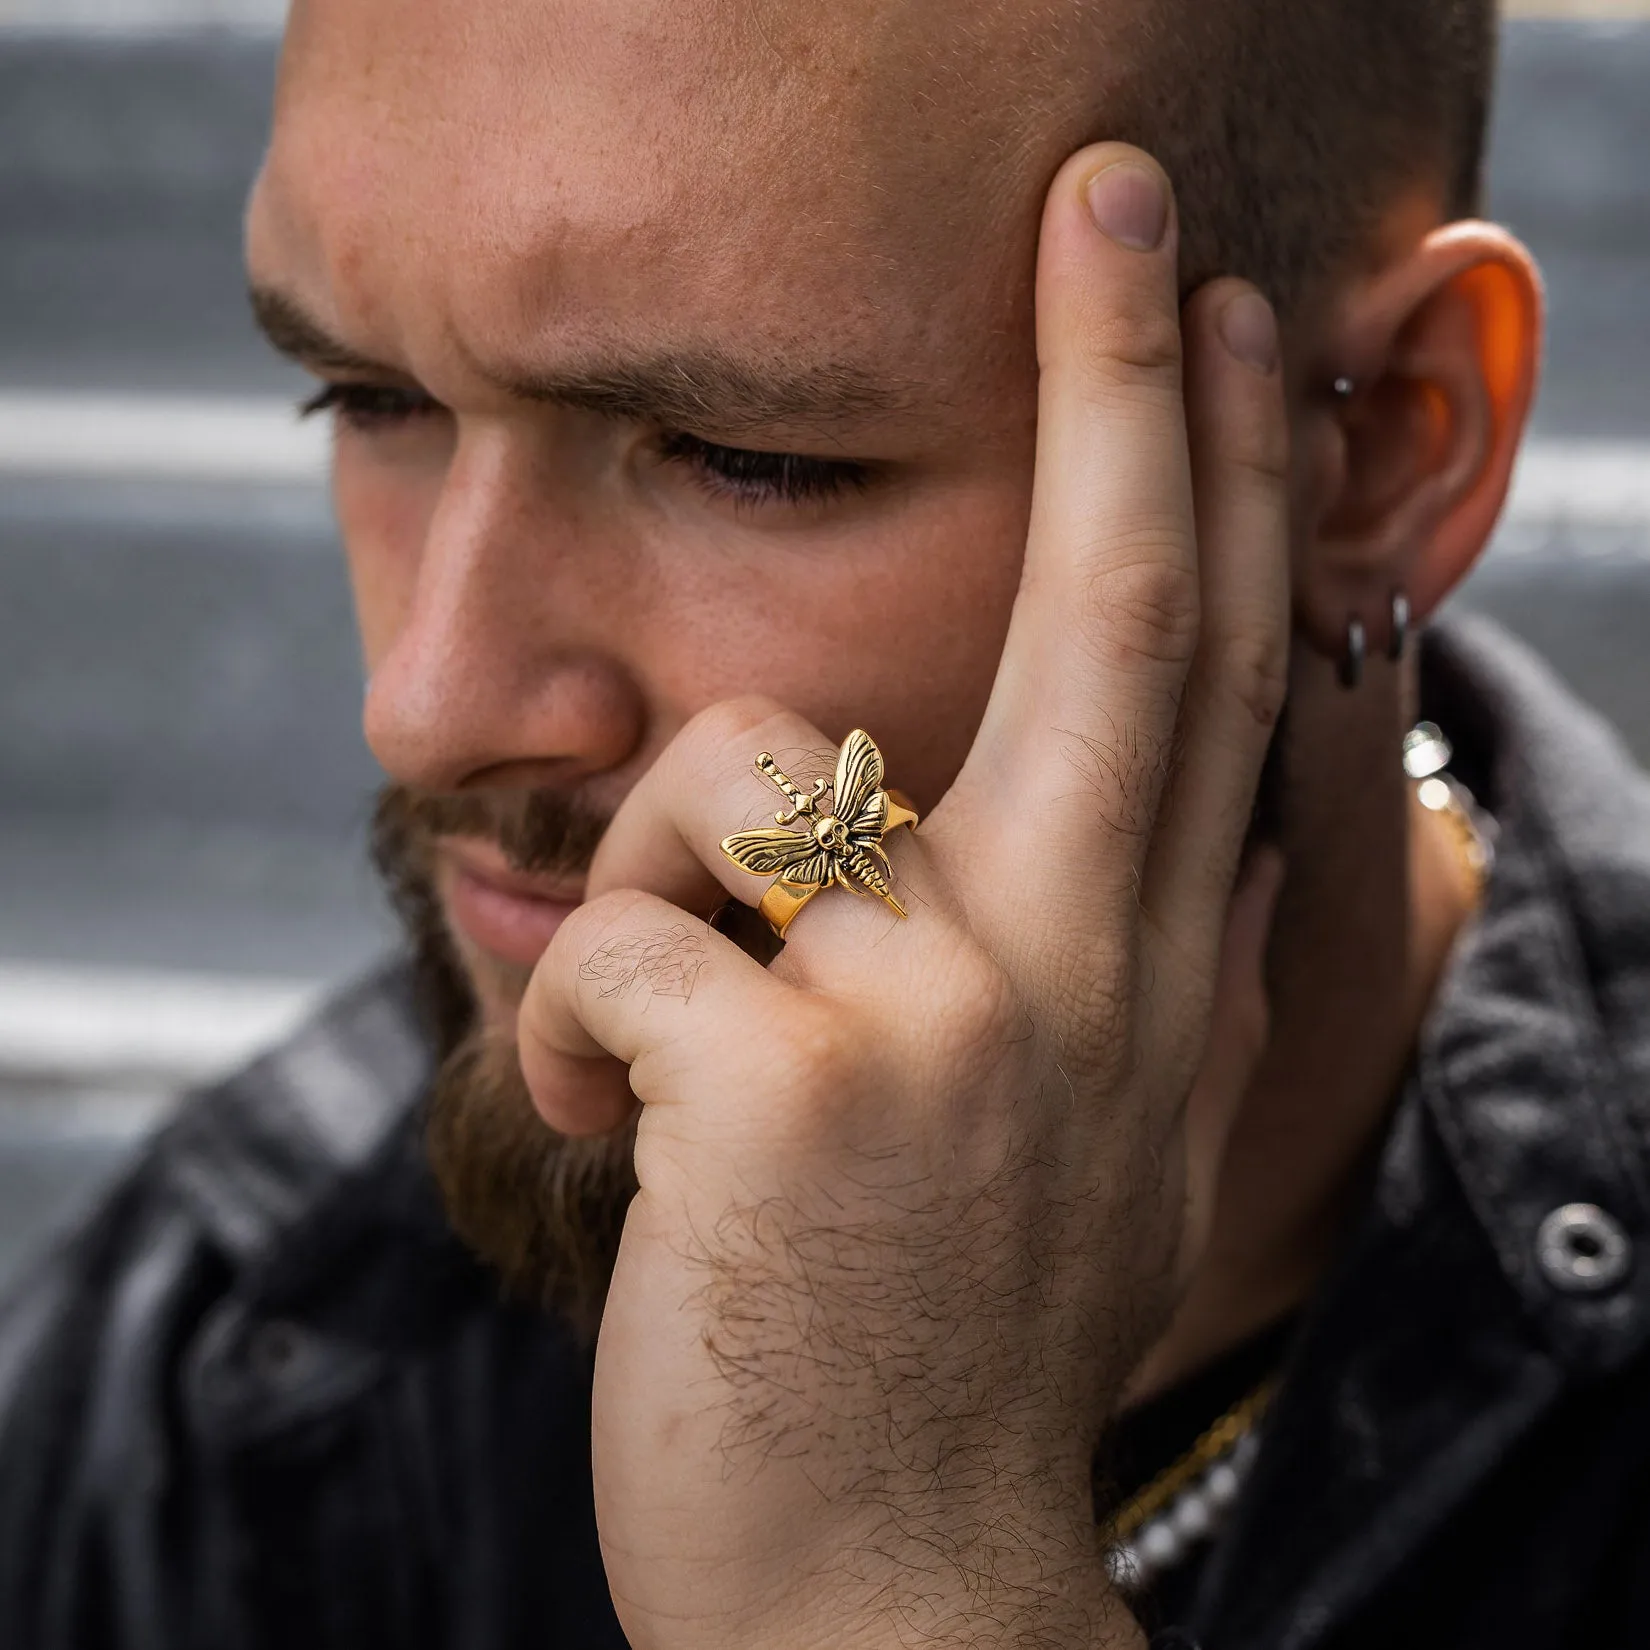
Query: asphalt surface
[182,782]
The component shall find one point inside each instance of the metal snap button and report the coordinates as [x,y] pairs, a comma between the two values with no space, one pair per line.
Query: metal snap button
[1583,1250]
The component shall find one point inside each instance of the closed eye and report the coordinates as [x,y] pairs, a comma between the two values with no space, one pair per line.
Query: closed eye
[753,477]
[370,406]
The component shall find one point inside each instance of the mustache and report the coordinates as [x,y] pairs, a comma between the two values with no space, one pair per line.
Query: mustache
[544,832]
[539,832]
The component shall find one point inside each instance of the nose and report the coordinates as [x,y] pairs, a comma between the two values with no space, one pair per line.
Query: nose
[500,668]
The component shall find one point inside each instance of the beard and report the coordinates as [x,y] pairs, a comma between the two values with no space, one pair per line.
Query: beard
[544,1211]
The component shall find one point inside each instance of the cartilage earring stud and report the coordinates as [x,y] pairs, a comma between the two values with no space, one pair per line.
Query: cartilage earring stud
[1399,639]
[1344,388]
[1352,657]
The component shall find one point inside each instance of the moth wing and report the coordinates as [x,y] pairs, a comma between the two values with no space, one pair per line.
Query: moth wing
[858,775]
[872,820]
[767,853]
[815,872]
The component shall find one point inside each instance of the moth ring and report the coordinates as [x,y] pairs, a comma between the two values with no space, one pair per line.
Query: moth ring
[836,835]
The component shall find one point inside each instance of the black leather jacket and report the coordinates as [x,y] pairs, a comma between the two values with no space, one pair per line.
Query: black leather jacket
[263,1398]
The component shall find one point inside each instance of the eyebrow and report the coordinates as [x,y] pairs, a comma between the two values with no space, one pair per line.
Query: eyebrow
[703,387]
[294,334]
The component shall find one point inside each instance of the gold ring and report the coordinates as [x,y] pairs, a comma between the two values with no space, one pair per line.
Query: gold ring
[844,821]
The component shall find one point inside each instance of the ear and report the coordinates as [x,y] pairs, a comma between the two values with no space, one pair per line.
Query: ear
[1408,471]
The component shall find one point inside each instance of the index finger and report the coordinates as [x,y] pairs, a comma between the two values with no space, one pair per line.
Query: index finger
[1082,715]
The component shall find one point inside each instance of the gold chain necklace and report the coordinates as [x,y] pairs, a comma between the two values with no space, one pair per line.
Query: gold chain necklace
[1213,1445]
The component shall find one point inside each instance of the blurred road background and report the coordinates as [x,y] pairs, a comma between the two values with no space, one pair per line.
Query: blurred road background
[182,782]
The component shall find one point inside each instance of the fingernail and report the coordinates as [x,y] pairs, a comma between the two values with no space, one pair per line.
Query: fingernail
[1130,205]
[1249,330]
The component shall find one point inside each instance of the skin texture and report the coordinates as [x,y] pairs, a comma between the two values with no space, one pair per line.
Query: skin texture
[487,200]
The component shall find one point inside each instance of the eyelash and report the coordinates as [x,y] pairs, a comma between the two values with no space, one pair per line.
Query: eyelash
[755,477]
[741,473]
[368,406]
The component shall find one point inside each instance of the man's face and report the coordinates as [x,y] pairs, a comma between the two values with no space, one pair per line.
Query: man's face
[686,352]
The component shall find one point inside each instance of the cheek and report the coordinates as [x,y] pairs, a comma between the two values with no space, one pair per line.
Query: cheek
[941,637]
[384,503]
[896,627]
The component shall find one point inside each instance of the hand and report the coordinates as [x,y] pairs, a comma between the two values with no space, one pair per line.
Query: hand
[916,1199]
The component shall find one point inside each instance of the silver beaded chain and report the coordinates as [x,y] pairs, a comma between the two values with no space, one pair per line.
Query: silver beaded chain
[1194,1517]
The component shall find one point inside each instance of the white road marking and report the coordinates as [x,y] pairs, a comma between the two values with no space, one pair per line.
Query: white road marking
[1589,482]
[249,439]
[85,1023]
[161,438]
[121,17]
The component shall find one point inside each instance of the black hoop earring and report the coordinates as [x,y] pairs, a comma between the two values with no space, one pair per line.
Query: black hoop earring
[1352,658]
[1399,639]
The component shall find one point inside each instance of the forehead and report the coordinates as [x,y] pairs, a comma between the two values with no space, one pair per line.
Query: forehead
[463,176]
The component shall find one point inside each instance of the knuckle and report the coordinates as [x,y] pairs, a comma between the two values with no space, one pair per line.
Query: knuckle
[981,1009]
[725,738]
[819,1056]
[1258,444]
[593,924]
[729,721]
[1255,666]
[1145,608]
[1132,344]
